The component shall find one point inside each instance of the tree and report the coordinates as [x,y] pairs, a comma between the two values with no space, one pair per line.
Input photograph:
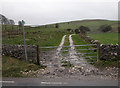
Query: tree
[69,30]
[77,31]
[105,28]
[20,24]
[11,22]
[56,26]
[4,20]
[83,29]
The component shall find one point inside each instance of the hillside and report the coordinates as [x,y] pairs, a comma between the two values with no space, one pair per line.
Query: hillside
[34,35]
[48,35]
[92,24]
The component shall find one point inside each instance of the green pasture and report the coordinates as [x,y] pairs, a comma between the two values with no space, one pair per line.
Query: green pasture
[105,38]
[33,35]
[92,24]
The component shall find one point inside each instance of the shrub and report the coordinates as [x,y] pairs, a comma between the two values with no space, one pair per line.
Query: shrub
[69,30]
[56,26]
[83,29]
[77,31]
[105,28]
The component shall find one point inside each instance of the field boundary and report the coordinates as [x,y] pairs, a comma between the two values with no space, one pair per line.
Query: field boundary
[17,51]
[106,51]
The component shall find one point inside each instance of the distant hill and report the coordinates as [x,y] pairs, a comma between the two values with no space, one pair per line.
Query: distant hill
[4,20]
[92,24]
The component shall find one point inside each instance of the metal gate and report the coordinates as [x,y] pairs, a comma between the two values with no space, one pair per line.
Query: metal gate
[89,52]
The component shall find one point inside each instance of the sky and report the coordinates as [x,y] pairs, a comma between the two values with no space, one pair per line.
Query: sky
[40,12]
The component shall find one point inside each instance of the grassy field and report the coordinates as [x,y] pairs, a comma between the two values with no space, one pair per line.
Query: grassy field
[12,67]
[48,35]
[39,36]
[105,38]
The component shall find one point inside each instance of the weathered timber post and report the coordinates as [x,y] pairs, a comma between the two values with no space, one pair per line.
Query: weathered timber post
[38,58]
[98,51]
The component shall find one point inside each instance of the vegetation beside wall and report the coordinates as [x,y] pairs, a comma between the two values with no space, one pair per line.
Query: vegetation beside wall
[12,67]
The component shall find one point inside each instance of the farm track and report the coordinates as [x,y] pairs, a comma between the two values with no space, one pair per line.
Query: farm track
[81,70]
[55,60]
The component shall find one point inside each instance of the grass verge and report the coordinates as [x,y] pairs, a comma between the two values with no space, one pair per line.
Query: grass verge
[12,67]
[102,64]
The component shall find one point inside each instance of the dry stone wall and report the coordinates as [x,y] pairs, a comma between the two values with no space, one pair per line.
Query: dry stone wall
[17,51]
[110,52]
[107,52]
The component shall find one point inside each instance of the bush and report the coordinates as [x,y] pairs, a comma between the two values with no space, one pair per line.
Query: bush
[77,31]
[69,30]
[105,28]
[83,29]
[56,26]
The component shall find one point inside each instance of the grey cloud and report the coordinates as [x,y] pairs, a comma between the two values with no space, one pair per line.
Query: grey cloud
[49,11]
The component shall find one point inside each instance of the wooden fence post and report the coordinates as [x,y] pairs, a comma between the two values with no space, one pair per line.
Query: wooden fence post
[98,51]
[38,58]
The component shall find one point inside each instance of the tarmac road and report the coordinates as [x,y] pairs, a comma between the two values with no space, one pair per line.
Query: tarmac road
[57,82]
